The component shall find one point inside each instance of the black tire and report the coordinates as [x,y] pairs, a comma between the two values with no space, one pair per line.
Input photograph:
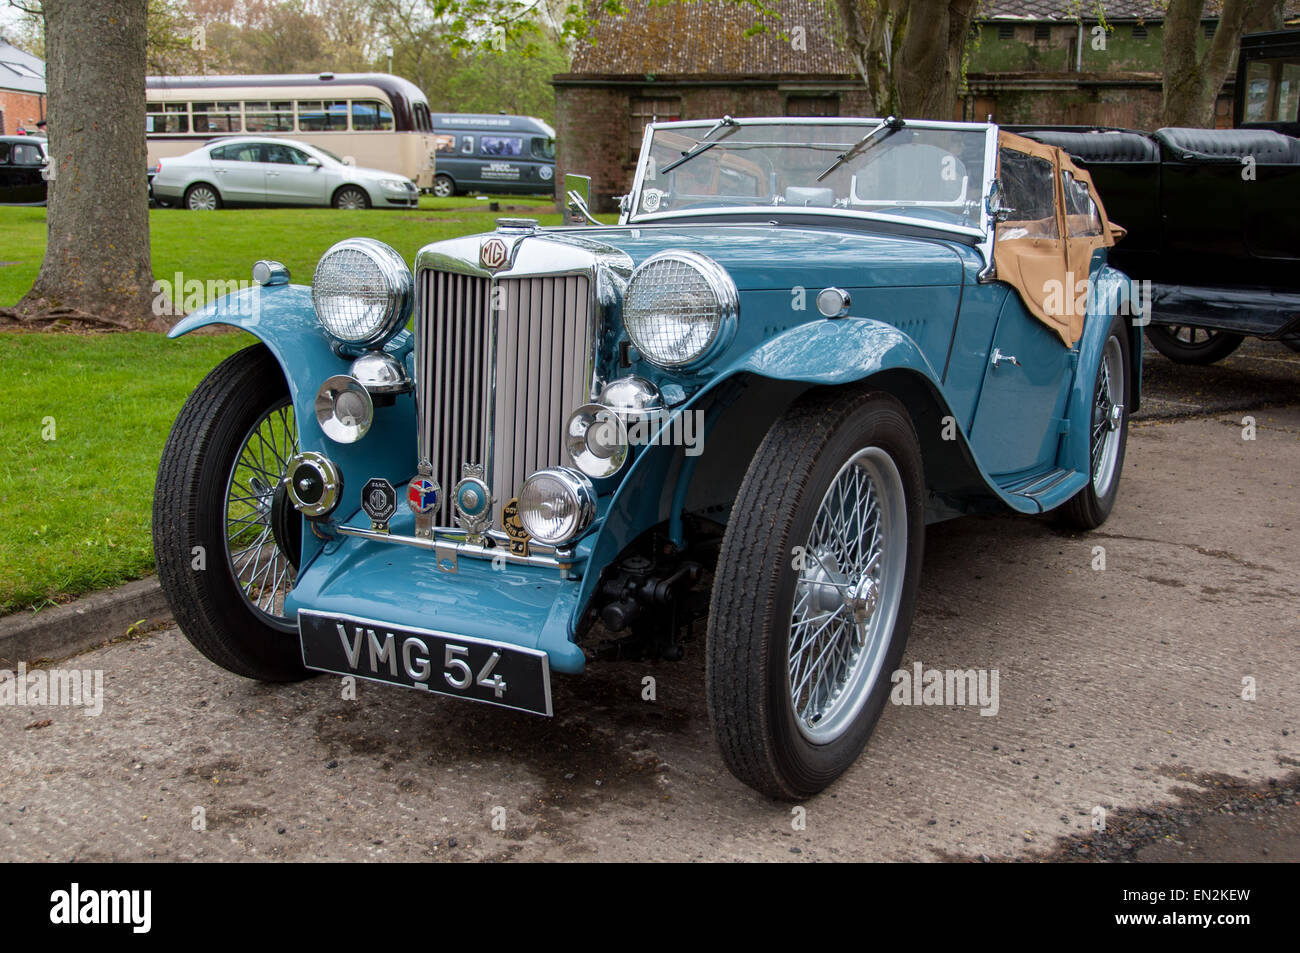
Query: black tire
[193,195]
[190,511]
[443,186]
[754,590]
[1202,345]
[351,196]
[1089,508]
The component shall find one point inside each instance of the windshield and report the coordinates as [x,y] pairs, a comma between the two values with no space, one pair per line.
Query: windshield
[928,172]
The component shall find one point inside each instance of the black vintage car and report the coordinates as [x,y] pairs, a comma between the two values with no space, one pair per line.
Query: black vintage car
[22,170]
[1213,219]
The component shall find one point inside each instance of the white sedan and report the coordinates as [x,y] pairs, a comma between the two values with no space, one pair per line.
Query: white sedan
[253,170]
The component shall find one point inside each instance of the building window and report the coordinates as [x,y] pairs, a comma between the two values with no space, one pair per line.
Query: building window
[812,106]
[1139,31]
[1042,31]
[1006,31]
[643,110]
[1210,28]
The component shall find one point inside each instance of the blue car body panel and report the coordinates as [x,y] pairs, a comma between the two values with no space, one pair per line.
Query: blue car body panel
[918,313]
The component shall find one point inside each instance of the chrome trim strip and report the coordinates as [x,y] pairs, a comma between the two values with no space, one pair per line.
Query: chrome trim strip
[464,548]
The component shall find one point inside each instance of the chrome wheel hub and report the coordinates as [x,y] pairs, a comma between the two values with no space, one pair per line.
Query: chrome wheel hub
[847,594]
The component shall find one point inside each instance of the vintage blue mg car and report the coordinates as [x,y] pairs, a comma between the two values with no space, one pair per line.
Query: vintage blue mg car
[532,450]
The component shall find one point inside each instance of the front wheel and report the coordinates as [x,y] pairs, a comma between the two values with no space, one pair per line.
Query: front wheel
[1183,344]
[351,197]
[1107,434]
[225,536]
[814,591]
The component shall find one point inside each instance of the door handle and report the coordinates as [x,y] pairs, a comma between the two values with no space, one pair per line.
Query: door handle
[998,357]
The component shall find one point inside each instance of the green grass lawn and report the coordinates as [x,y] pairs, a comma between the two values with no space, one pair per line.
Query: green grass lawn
[75,510]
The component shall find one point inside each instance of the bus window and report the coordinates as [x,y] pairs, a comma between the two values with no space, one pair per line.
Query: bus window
[543,148]
[317,116]
[216,117]
[467,145]
[1272,90]
[444,143]
[502,145]
[167,117]
[268,117]
[423,121]
[369,116]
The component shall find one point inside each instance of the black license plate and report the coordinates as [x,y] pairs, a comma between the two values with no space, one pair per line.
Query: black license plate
[456,665]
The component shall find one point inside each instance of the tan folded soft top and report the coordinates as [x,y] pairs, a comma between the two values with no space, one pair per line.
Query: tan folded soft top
[1048,261]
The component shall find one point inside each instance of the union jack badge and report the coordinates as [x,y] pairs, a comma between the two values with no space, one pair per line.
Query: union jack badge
[422,494]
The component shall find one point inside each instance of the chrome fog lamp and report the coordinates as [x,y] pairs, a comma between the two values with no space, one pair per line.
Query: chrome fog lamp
[380,374]
[632,397]
[344,409]
[314,484]
[556,505]
[680,308]
[596,439]
[362,292]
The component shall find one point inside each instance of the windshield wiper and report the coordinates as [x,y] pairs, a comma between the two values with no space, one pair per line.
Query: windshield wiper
[888,127]
[703,145]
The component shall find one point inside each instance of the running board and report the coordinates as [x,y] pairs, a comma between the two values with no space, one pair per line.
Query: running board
[1046,490]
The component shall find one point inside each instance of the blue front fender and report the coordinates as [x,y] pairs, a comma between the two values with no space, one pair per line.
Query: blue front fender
[282,317]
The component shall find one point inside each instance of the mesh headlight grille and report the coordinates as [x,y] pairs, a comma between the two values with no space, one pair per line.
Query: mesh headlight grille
[676,307]
[362,291]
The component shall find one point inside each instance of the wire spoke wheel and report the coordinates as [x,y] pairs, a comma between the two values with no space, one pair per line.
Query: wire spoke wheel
[1107,416]
[847,595]
[262,570]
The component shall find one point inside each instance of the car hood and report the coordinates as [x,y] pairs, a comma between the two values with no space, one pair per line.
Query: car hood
[361,172]
[771,257]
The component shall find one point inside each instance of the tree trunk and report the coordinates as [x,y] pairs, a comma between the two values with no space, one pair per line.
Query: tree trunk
[97,251]
[1192,83]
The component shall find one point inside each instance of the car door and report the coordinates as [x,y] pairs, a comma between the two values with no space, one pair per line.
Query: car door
[27,163]
[239,173]
[8,176]
[290,180]
[1019,418]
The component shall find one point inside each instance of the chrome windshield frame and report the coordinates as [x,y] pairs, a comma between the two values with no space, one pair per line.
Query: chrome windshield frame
[983,234]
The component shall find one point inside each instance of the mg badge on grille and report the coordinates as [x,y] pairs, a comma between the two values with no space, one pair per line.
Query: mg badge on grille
[379,500]
[493,254]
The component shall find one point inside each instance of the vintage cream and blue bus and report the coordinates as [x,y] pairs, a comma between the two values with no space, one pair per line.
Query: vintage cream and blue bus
[370,119]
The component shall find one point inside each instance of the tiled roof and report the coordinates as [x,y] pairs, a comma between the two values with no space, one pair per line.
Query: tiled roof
[678,38]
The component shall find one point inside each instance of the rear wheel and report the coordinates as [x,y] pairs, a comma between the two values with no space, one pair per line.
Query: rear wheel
[351,197]
[814,591]
[444,187]
[1107,434]
[225,536]
[1183,344]
[202,197]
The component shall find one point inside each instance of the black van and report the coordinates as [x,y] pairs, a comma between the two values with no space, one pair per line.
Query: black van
[498,154]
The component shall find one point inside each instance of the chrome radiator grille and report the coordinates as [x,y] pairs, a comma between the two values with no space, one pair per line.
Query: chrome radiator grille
[497,386]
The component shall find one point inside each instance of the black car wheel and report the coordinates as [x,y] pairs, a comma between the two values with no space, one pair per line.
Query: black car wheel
[225,536]
[444,187]
[1107,434]
[201,197]
[351,197]
[814,591]
[1187,345]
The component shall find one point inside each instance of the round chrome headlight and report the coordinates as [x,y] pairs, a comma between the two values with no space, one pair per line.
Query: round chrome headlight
[362,291]
[556,505]
[680,308]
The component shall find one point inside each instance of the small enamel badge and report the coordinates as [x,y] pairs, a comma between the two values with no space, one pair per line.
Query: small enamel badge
[514,528]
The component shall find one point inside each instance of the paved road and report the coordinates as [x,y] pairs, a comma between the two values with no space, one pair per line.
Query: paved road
[1118,688]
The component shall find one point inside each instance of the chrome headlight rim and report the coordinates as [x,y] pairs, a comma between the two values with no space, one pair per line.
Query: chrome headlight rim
[398,281]
[583,495]
[726,297]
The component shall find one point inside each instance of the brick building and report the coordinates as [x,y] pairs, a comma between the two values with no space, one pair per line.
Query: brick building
[22,90]
[1029,61]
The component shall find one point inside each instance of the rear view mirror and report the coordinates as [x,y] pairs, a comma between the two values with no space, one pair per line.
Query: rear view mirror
[313,162]
[577,191]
